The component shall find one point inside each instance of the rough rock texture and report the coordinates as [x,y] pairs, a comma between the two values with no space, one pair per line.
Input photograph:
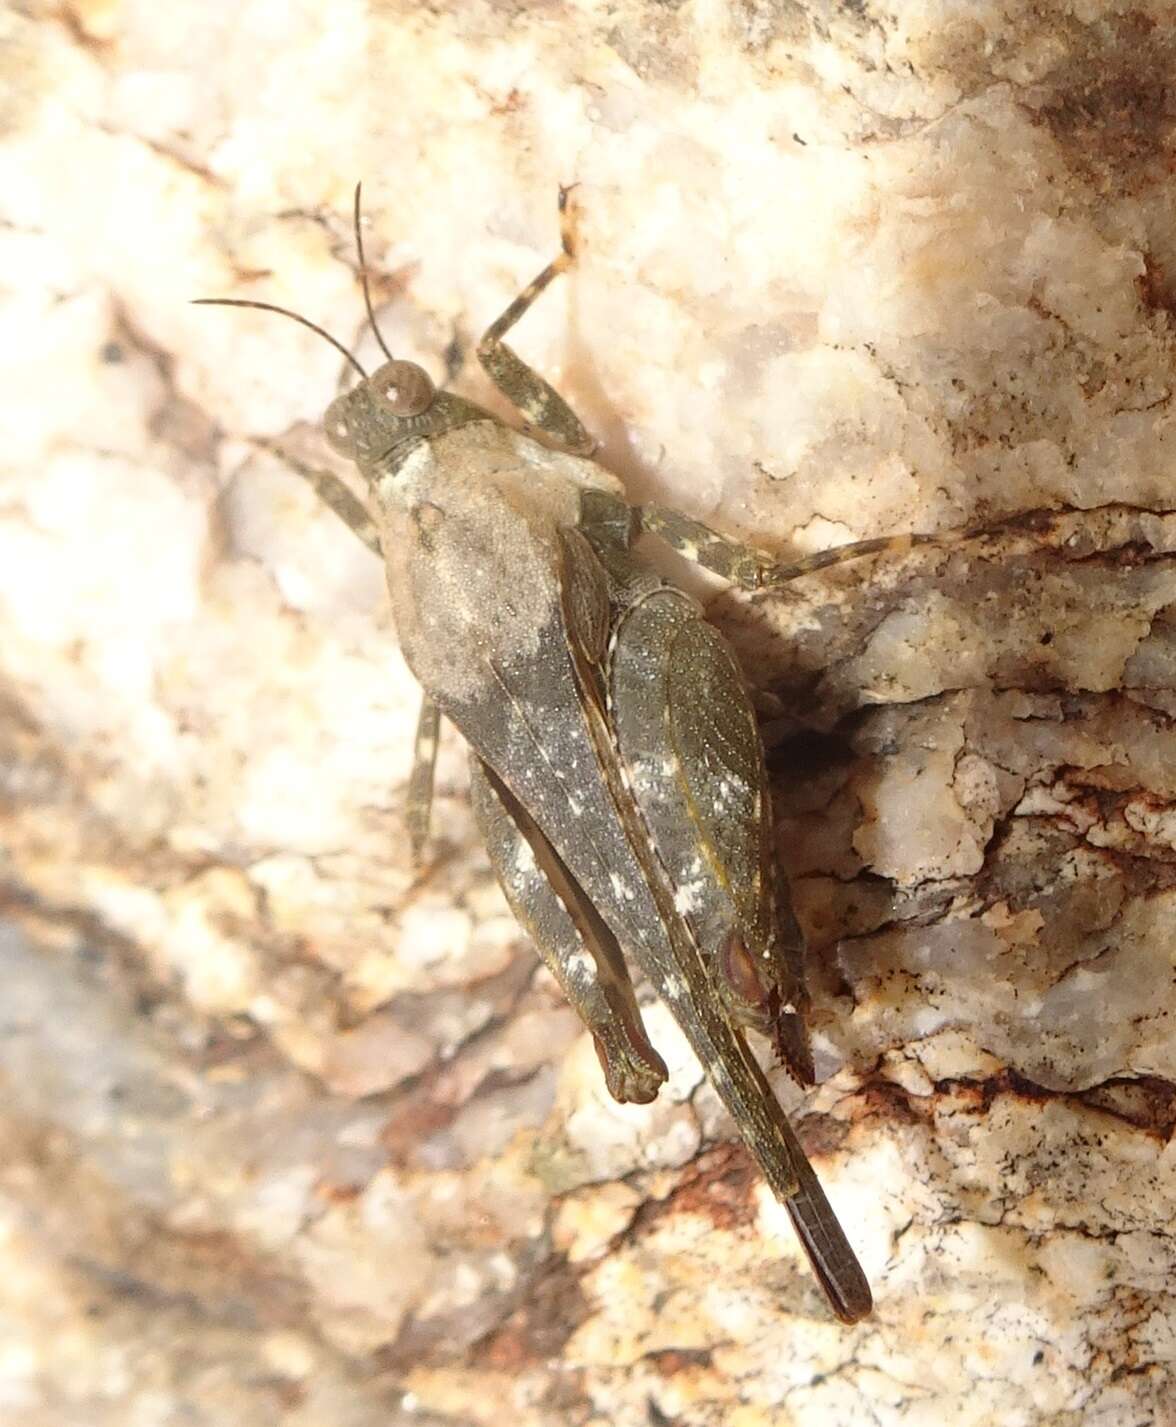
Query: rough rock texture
[291,1134]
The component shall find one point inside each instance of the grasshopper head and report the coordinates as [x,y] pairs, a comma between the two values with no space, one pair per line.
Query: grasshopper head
[383,413]
[379,413]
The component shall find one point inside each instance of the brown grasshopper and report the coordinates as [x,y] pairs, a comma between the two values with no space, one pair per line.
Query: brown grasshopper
[616,766]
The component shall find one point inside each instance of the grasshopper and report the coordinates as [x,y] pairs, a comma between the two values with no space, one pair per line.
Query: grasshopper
[616,766]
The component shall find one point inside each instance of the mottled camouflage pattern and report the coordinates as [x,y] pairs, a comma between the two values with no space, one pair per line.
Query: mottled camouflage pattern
[617,770]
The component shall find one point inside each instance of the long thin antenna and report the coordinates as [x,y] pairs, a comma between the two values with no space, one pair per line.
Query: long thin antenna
[284,312]
[363,277]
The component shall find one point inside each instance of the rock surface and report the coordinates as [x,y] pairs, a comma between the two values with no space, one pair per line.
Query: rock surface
[293,1134]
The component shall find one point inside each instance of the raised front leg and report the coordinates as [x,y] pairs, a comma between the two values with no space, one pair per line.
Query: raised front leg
[540,404]
[573,940]
[753,569]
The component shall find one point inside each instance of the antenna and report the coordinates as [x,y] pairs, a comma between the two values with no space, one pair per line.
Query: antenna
[285,312]
[363,277]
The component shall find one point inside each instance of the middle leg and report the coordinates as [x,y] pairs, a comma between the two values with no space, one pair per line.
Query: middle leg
[753,569]
[351,511]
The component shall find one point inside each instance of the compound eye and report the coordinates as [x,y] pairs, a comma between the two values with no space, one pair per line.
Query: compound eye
[404,387]
[338,430]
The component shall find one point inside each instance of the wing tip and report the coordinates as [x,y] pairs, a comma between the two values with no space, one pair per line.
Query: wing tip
[829,1252]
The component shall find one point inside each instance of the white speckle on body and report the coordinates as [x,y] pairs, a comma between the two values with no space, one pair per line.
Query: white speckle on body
[621,888]
[688,897]
[581,966]
[646,775]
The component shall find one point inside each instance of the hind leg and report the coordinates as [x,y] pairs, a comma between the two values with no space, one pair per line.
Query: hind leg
[574,941]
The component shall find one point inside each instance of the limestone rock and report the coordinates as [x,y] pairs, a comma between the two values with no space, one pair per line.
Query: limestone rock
[291,1133]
